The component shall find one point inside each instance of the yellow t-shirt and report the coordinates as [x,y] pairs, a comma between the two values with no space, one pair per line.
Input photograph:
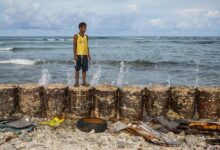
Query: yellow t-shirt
[82,45]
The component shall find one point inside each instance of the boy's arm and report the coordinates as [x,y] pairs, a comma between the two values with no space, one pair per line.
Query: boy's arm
[74,46]
[88,48]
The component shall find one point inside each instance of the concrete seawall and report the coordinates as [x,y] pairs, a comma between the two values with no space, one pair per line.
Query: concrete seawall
[109,102]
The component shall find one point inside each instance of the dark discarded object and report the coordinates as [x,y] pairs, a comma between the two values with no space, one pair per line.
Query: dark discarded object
[88,124]
[9,119]
[16,125]
[213,141]
[170,125]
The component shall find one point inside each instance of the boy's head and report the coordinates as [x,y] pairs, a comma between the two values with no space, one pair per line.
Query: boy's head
[82,27]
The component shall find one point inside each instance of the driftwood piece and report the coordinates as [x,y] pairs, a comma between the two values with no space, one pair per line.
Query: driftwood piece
[183,101]
[131,102]
[8,99]
[158,100]
[79,102]
[30,97]
[105,102]
[149,134]
[208,102]
[55,99]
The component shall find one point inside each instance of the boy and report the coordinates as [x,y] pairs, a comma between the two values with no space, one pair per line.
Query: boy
[81,54]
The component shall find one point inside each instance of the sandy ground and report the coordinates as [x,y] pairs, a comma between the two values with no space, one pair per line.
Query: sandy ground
[68,137]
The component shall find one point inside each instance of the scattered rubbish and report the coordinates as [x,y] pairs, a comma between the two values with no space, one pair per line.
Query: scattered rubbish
[149,134]
[168,124]
[117,126]
[88,124]
[213,141]
[160,128]
[199,127]
[8,119]
[54,122]
[15,125]
[173,115]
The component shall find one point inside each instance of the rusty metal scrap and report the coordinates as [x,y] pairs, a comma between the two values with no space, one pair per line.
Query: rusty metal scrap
[199,127]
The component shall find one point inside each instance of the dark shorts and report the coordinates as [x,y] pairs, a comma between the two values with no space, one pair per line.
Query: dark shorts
[82,62]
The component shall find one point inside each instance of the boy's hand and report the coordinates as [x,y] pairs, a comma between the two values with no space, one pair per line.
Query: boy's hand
[89,58]
[75,58]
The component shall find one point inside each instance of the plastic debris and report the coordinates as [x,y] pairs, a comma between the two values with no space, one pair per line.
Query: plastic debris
[54,122]
[16,125]
[117,126]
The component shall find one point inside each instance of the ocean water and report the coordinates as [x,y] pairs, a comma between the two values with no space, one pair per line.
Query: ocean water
[191,61]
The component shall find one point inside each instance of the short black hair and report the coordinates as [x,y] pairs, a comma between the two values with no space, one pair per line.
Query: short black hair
[82,24]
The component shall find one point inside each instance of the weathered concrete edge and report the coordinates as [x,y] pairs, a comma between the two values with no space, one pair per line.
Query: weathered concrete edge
[206,95]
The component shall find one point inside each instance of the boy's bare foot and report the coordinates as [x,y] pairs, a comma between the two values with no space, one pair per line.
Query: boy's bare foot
[85,84]
[76,84]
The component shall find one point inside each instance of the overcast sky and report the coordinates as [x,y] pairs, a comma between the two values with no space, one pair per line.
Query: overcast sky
[110,17]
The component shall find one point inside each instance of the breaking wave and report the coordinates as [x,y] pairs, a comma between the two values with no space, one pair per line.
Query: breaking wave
[144,62]
[20,61]
[6,48]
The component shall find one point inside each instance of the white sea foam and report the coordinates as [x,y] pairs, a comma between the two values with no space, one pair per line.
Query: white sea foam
[51,39]
[45,78]
[6,48]
[19,61]
[96,76]
[121,74]
[68,39]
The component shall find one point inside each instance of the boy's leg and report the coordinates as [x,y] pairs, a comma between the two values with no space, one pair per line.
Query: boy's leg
[84,69]
[77,68]
[84,76]
[77,78]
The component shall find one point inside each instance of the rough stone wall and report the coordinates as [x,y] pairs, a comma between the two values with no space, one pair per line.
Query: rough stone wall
[131,102]
[8,99]
[183,101]
[157,100]
[55,99]
[106,101]
[79,103]
[30,99]
[208,101]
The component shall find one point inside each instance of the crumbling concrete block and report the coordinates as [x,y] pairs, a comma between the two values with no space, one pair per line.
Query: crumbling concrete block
[105,102]
[208,99]
[8,99]
[55,99]
[157,100]
[131,102]
[183,101]
[30,99]
[79,102]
